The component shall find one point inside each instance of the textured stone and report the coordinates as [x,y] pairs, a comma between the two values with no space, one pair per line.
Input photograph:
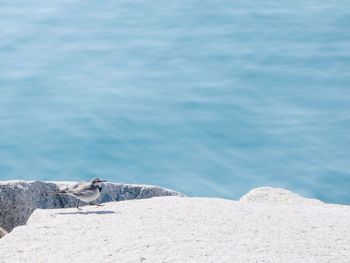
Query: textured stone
[18,199]
[175,229]
[276,196]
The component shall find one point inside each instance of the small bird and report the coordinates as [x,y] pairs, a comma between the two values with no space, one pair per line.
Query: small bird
[86,192]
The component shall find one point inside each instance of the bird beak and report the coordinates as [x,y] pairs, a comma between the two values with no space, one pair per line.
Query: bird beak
[102,181]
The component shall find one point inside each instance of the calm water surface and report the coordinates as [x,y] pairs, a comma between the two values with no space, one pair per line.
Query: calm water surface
[211,98]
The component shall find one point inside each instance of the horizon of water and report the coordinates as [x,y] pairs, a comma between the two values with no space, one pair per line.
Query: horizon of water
[207,98]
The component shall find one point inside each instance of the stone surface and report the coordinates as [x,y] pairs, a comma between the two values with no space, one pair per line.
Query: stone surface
[18,199]
[174,229]
[276,196]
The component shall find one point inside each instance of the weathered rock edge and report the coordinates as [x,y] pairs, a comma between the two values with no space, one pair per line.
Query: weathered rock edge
[18,199]
[3,232]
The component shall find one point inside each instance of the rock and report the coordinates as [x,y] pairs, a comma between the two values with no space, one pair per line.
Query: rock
[276,196]
[174,229]
[18,199]
[3,232]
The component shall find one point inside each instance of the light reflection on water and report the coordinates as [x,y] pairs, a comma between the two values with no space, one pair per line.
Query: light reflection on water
[208,98]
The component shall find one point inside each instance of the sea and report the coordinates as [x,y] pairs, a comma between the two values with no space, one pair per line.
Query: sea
[209,98]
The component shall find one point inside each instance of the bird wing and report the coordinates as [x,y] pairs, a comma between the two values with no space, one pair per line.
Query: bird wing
[86,192]
[79,187]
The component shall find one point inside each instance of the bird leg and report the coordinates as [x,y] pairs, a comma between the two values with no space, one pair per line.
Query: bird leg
[77,204]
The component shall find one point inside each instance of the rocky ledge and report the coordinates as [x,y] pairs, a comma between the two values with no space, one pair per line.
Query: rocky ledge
[18,199]
[266,225]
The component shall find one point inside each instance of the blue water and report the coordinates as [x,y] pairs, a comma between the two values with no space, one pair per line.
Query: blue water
[210,98]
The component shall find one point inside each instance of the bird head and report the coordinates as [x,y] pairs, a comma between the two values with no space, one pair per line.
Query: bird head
[97,182]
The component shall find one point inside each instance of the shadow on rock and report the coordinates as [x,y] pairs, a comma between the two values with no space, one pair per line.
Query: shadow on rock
[86,213]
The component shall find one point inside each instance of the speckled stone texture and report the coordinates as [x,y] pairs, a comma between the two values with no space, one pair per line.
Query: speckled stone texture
[179,229]
[18,199]
[276,196]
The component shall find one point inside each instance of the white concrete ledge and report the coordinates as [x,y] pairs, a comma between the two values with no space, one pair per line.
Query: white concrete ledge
[266,225]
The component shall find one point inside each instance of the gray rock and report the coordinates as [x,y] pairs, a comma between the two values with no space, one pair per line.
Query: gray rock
[18,199]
